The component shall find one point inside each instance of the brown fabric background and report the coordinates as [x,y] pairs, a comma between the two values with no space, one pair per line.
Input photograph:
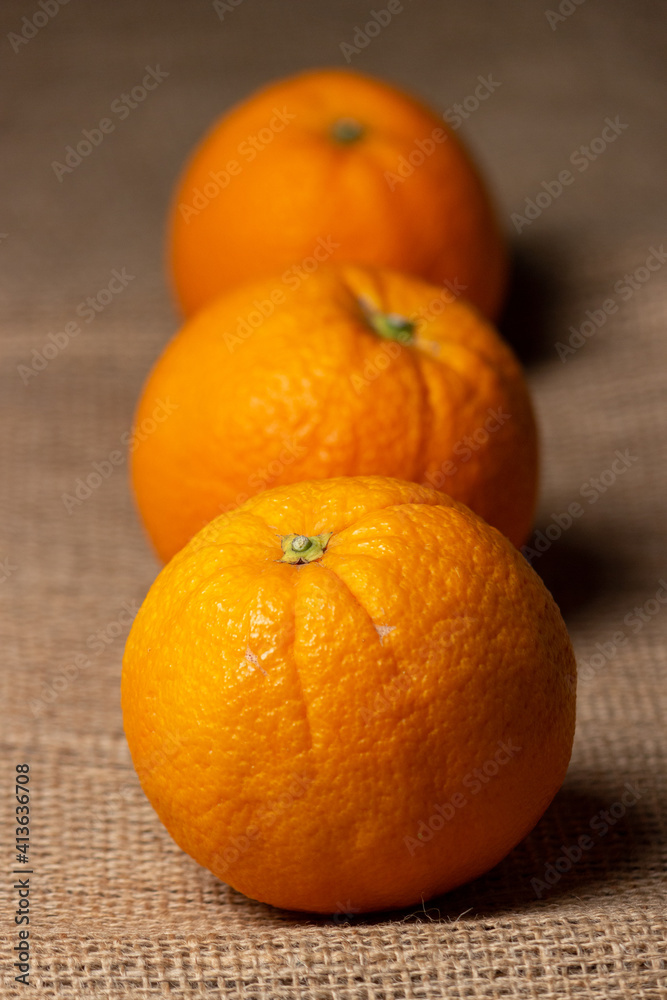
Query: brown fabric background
[117,909]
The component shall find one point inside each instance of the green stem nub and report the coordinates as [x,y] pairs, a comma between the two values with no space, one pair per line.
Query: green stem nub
[347,130]
[393,327]
[299,549]
[301,543]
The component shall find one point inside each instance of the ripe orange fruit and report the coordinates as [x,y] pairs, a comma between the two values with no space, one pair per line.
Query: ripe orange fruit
[349,694]
[331,162]
[357,372]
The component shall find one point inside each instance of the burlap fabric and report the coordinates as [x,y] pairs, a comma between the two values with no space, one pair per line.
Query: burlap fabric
[116,908]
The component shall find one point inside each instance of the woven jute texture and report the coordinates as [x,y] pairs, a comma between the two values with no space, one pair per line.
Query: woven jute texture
[115,908]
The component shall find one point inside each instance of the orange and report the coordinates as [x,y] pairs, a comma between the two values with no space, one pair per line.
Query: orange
[356,372]
[349,695]
[331,162]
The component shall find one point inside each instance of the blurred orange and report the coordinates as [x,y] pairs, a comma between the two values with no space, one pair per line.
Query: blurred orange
[358,371]
[333,159]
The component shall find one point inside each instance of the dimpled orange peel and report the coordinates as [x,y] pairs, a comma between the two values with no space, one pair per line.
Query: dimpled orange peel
[337,163]
[358,371]
[349,695]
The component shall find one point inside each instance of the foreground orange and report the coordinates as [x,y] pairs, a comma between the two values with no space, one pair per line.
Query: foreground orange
[331,163]
[356,372]
[349,695]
